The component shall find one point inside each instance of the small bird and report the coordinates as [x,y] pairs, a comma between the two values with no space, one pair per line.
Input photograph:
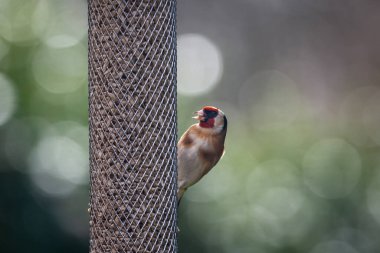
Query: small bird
[200,147]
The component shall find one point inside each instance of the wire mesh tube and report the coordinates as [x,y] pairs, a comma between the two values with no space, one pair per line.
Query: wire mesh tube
[132,107]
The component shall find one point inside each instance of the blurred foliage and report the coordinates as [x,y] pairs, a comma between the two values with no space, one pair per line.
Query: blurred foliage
[43,126]
[298,80]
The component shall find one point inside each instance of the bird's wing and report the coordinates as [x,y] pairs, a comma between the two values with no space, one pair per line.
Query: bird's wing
[210,159]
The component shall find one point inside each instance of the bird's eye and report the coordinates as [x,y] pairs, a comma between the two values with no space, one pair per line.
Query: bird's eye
[210,114]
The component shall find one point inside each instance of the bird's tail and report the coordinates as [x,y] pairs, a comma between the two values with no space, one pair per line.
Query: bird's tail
[180,193]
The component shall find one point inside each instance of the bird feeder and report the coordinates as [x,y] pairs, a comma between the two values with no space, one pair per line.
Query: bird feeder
[133,126]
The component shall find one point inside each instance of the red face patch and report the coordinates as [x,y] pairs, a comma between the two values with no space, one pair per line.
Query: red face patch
[207,124]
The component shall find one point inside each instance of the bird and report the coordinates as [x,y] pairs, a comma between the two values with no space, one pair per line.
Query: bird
[200,147]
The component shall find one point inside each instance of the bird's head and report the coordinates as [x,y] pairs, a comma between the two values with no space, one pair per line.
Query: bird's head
[211,117]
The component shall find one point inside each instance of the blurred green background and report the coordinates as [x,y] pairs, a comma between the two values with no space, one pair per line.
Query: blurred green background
[298,81]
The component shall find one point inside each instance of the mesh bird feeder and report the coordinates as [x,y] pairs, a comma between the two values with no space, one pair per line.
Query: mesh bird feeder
[133,129]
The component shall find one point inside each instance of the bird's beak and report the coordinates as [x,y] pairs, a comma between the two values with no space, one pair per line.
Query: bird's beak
[200,115]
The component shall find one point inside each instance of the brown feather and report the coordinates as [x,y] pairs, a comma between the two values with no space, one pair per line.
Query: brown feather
[212,156]
[186,140]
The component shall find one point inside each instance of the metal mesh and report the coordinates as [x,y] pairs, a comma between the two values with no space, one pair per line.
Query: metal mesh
[132,107]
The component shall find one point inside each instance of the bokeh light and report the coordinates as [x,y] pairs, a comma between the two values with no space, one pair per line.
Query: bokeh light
[200,64]
[272,99]
[59,163]
[7,99]
[62,24]
[359,110]
[331,168]
[60,70]
[18,140]
[277,202]
[333,247]
[357,238]
[373,195]
[274,213]
[371,117]
[4,48]
[15,20]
